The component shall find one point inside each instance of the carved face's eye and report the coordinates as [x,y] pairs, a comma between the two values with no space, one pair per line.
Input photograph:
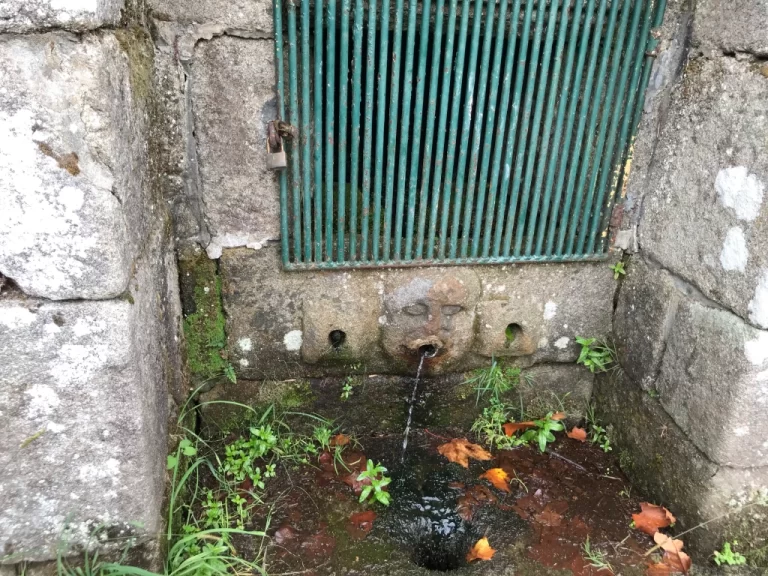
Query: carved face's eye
[416,310]
[450,310]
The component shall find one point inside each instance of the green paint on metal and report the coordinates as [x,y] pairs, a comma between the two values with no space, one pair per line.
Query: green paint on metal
[435,132]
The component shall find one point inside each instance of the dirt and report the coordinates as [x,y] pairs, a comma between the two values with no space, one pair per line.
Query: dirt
[439,510]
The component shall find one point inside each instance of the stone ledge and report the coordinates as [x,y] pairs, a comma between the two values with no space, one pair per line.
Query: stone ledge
[19,16]
[75,198]
[732,26]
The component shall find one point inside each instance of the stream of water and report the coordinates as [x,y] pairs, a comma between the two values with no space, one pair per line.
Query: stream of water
[410,405]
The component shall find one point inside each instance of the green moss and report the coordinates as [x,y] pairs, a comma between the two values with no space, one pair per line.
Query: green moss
[204,327]
[137,45]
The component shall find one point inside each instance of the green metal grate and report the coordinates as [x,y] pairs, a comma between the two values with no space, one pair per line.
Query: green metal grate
[456,131]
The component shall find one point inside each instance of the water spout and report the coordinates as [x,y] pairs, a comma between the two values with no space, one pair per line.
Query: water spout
[426,351]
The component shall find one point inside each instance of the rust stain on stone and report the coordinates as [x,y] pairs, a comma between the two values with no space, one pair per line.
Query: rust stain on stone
[68,162]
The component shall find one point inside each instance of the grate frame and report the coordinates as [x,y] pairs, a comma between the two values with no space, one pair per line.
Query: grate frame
[434,141]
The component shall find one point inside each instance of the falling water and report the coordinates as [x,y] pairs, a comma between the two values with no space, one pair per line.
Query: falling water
[427,353]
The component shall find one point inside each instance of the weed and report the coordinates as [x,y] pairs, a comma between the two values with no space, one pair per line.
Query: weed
[541,433]
[618,270]
[375,492]
[597,433]
[595,557]
[490,425]
[495,379]
[346,390]
[729,557]
[229,372]
[653,393]
[596,355]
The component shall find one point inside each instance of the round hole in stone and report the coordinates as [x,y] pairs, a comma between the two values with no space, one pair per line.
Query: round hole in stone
[428,351]
[337,338]
[513,331]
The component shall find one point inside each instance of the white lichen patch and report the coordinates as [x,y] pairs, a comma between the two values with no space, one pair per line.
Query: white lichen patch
[734,255]
[244,362]
[562,343]
[245,344]
[740,191]
[756,350]
[16,317]
[550,310]
[293,340]
[741,431]
[231,240]
[43,400]
[758,306]
[95,473]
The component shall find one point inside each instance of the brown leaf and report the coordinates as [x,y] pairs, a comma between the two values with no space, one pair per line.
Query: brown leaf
[578,434]
[481,550]
[511,428]
[678,561]
[558,416]
[460,450]
[339,440]
[284,534]
[667,543]
[652,517]
[360,524]
[498,478]
[659,569]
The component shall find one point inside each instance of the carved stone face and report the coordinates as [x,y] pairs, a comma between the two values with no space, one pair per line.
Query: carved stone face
[435,309]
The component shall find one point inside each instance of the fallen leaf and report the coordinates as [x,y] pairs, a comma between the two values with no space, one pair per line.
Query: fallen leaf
[679,561]
[577,434]
[498,478]
[360,524]
[652,517]
[659,569]
[558,416]
[667,543]
[552,515]
[284,534]
[339,440]
[460,450]
[510,428]
[481,550]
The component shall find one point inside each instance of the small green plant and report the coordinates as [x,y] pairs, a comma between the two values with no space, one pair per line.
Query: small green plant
[229,372]
[490,425]
[597,433]
[541,432]
[728,556]
[595,355]
[375,492]
[618,270]
[495,379]
[595,557]
[240,455]
[346,390]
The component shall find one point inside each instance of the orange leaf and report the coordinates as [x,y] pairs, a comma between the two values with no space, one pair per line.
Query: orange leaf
[460,450]
[652,517]
[510,428]
[678,561]
[498,478]
[340,440]
[481,550]
[659,569]
[558,416]
[578,434]
[667,543]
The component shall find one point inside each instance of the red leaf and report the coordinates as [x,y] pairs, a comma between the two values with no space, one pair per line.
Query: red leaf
[652,517]
[510,428]
[578,434]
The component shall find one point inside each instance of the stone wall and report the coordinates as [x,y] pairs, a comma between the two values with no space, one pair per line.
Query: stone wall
[692,317]
[89,308]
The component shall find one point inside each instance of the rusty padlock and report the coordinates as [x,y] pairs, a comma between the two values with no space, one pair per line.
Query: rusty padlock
[276,159]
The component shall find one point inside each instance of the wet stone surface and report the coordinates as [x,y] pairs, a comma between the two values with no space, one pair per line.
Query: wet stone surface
[440,509]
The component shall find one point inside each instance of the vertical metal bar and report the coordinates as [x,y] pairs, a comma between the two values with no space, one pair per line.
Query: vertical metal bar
[501,147]
[293,92]
[354,168]
[490,120]
[394,122]
[405,148]
[607,108]
[341,218]
[587,98]
[417,119]
[440,145]
[567,93]
[370,73]
[533,143]
[277,9]
[554,84]
[523,136]
[318,116]
[614,154]
[330,98]
[469,105]
[450,155]
[305,133]
[381,107]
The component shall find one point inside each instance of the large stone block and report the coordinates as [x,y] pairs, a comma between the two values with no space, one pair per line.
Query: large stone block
[732,26]
[468,314]
[667,467]
[233,99]
[705,217]
[714,384]
[242,17]
[73,185]
[19,16]
[643,320]
[83,413]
